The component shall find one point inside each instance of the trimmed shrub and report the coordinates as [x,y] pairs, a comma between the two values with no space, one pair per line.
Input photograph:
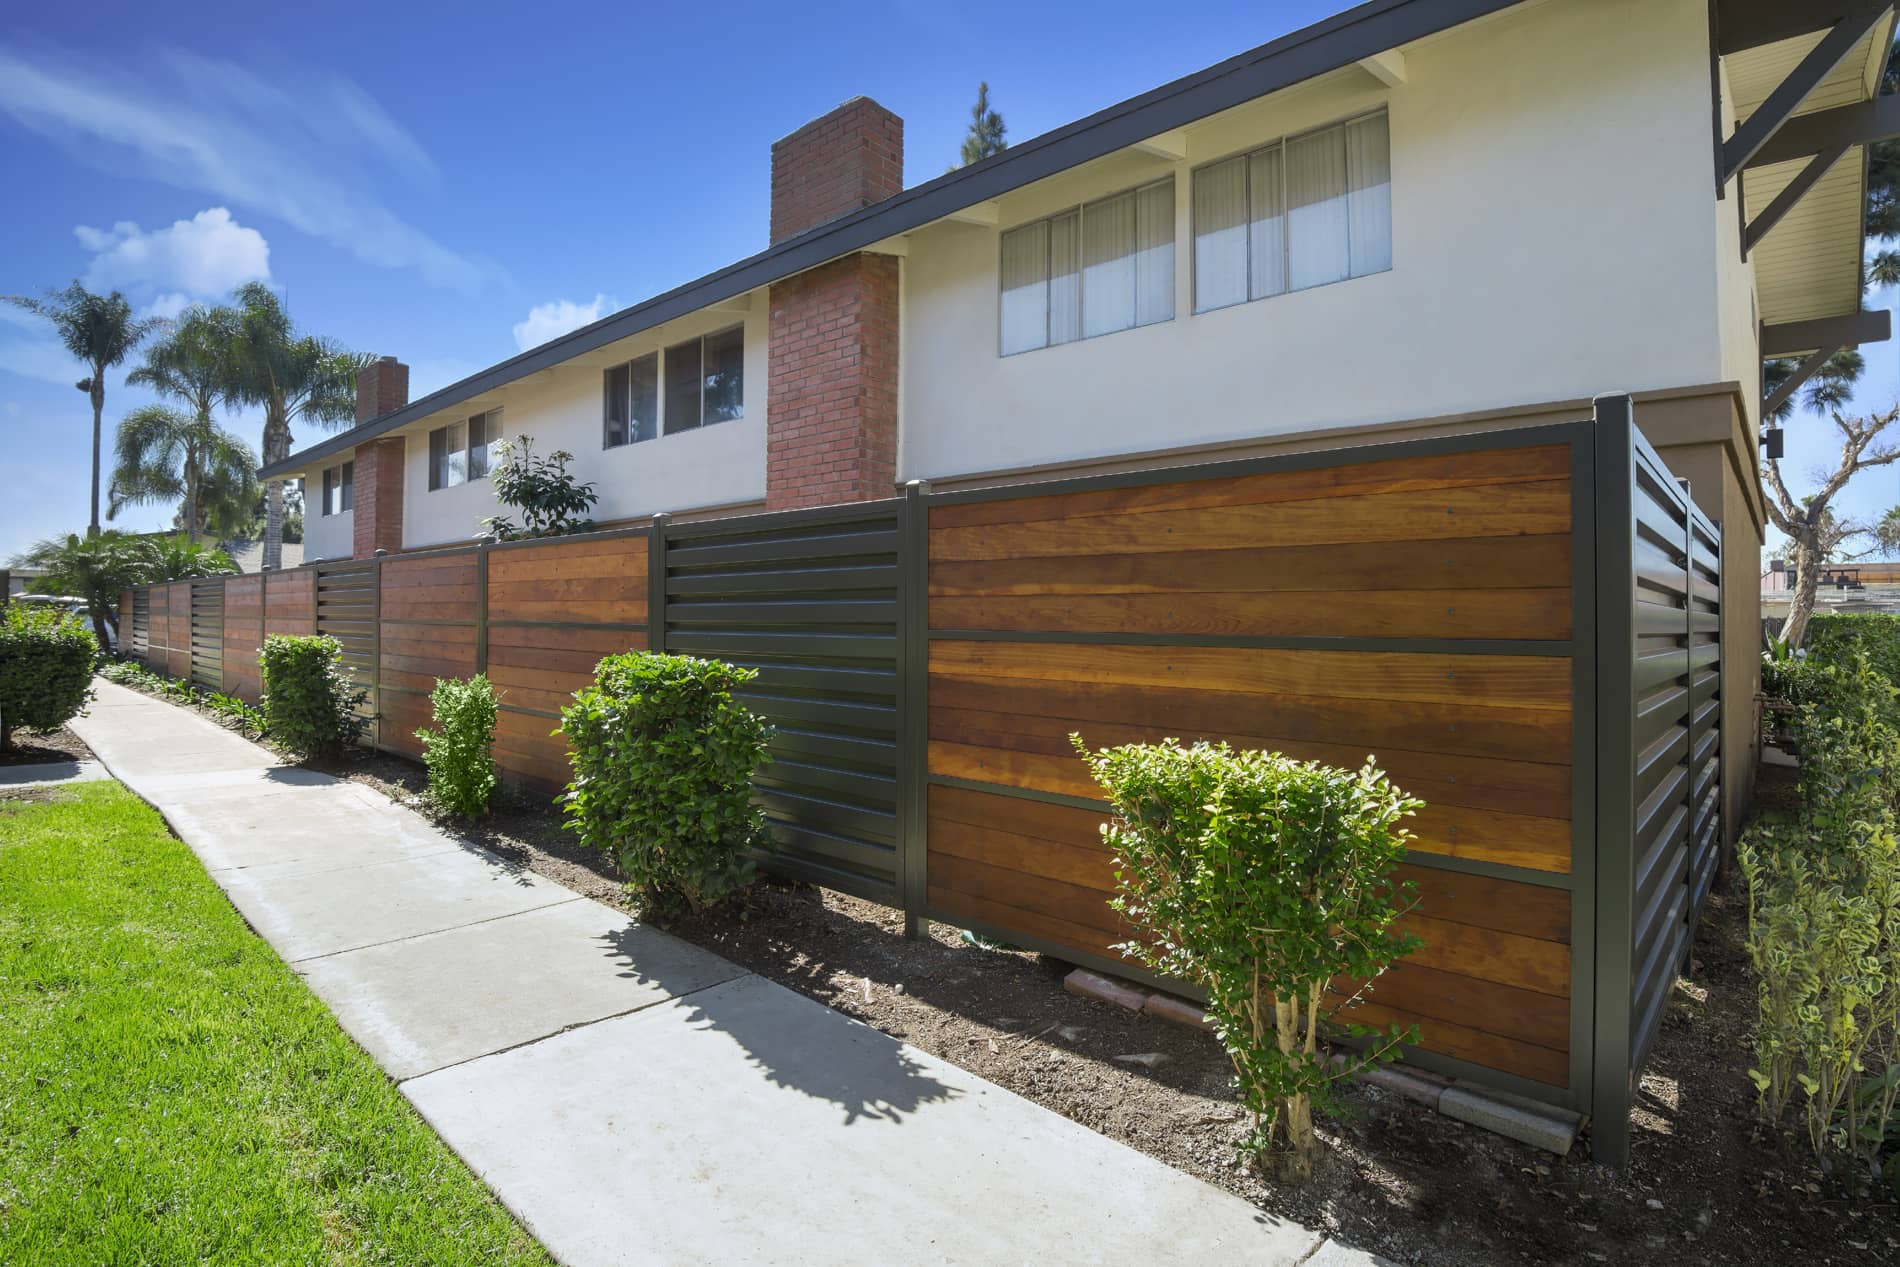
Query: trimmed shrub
[460,751]
[310,701]
[663,759]
[46,661]
[1264,880]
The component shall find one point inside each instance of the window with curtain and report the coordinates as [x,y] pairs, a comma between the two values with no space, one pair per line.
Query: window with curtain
[1309,210]
[463,451]
[336,488]
[705,380]
[1105,266]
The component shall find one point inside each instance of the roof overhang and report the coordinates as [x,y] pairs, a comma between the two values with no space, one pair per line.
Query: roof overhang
[1367,31]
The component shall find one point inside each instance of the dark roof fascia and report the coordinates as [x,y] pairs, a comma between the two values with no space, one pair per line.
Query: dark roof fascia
[1327,45]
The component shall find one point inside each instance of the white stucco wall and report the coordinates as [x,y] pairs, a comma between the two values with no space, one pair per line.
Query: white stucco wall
[560,408]
[1552,238]
[325,536]
[1737,309]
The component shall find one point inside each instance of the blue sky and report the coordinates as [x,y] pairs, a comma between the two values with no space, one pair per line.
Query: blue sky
[422,182]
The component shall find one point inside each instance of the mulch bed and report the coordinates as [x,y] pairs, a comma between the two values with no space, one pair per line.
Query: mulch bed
[31,749]
[1706,1184]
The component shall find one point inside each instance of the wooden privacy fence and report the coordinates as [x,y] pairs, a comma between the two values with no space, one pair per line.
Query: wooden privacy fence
[1523,626]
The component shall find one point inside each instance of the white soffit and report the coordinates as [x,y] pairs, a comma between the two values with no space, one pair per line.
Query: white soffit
[1809,264]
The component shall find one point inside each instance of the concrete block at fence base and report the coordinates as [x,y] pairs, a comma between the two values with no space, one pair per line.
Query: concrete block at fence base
[1180,1011]
[1413,1084]
[1542,1128]
[1093,985]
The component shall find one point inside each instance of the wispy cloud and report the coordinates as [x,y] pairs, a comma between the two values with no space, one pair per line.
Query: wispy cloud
[205,255]
[552,320]
[311,150]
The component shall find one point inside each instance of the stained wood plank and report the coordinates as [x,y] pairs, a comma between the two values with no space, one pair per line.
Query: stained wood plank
[1390,475]
[1362,567]
[1087,866]
[1529,1060]
[1528,910]
[950,904]
[1533,614]
[1073,903]
[1505,682]
[1414,989]
[1501,510]
[1486,954]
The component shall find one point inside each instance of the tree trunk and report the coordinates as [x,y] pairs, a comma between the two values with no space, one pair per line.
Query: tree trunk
[276,449]
[1807,577]
[98,613]
[97,391]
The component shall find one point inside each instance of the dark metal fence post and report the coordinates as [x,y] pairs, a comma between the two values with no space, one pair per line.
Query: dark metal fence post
[656,582]
[1610,1098]
[913,702]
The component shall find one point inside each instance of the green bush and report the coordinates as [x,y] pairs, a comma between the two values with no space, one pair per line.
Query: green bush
[46,661]
[460,751]
[1838,637]
[310,701]
[1264,880]
[663,760]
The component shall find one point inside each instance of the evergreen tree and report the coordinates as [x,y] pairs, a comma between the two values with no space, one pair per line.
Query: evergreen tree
[986,130]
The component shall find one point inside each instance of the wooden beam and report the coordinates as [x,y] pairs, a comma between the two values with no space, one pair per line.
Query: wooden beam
[1782,203]
[1788,95]
[1387,67]
[1806,135]
[1796,338]
[1793,383]
[1169,145]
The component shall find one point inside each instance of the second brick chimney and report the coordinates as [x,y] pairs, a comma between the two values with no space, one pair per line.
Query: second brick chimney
[382,387]
[831,398]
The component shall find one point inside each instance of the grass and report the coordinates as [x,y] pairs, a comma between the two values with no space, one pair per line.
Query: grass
[170,1092]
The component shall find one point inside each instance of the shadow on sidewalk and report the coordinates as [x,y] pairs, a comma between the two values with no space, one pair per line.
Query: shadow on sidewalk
[795,1043]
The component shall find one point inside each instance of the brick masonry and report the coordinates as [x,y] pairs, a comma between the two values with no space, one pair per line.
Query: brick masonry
[831,400]
[376,491]
[834,165]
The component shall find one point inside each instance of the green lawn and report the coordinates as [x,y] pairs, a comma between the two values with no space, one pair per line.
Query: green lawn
[170,1092]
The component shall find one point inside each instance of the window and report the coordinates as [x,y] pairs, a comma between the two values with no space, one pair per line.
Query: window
[462,451]
[1107,265]
[632,410]
[336,488]
[1302,212]
[705,380]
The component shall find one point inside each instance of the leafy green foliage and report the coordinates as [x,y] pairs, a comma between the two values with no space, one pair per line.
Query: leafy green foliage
[663,759]
[310,701]
[1263,879]
[162,455]
[551,502]
[460,751]
[46,660]
[1824,917]
[1838,637]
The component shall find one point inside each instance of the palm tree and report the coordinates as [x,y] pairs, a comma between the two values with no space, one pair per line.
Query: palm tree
[99,330]
[100,567]
[164,455]
[293,377]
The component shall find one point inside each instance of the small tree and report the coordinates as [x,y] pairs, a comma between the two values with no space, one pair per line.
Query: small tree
[663,760]
[1268,882]
[986,130]
[1814,533]
[551,502]
[460,751]
[46,660]
[310,701]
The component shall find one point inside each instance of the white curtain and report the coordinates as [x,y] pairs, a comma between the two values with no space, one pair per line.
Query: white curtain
[1267,226]
[1154,253]
[1369,194]
[1065,278]
[1317,232]
[1025,308]
[1220,235]
[1108,265]
[456,458]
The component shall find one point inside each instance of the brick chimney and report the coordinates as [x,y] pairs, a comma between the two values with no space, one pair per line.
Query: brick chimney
[831,398]
[382,387]
[834,165]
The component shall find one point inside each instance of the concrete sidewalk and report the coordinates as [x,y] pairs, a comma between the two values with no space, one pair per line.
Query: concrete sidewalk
[632,1098]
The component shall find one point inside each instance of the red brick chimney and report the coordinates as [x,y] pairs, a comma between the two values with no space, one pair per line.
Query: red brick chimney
[835,165]
[382,387]
[831,398]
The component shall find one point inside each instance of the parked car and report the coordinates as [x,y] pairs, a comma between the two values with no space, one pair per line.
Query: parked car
[72,606]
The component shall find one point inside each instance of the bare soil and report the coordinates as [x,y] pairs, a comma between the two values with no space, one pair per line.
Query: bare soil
[1707,1183]
[34,749]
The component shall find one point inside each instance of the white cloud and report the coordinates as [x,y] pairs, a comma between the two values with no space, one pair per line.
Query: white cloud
[42,359]
[206,255]
[167,306]
[552,320]
[314,151]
